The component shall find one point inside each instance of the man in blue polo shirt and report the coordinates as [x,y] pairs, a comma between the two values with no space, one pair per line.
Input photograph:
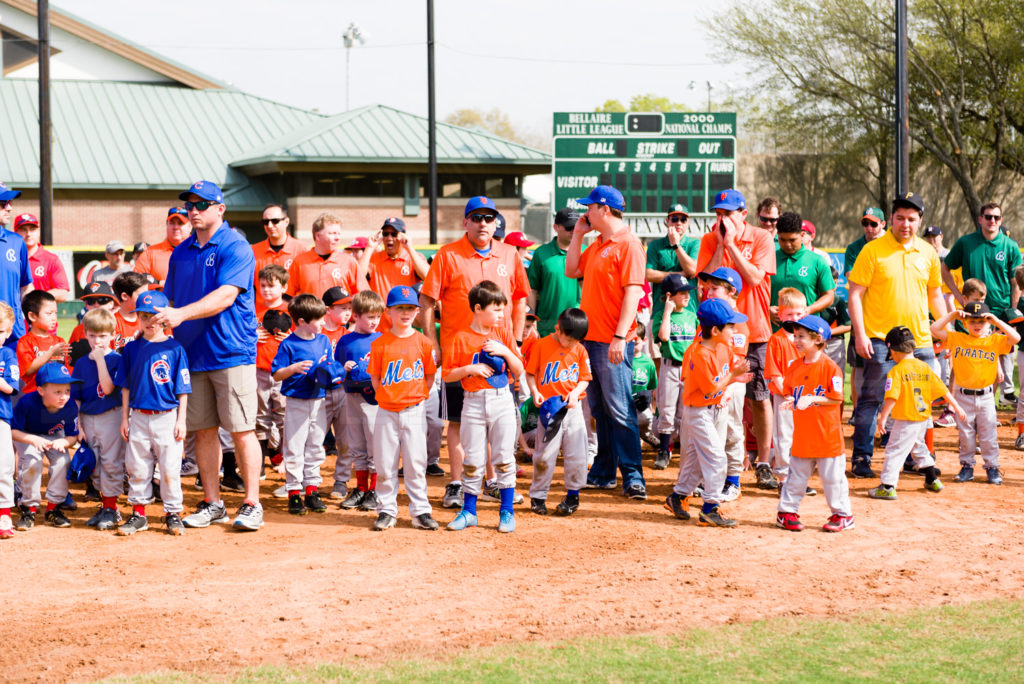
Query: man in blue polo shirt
[209,283]
[15,274]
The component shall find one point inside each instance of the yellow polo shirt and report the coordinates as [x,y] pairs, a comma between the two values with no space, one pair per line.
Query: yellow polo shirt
[897,278]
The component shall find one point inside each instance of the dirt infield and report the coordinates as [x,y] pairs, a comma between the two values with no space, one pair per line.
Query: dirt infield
[82,604]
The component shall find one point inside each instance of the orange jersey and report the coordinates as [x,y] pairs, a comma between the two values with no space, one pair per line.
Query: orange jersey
[817,430]
[267,349]
[154,260]
[914,386]
[779,353]
[704,369]
[463,350]
[457,267]
[401,365]
[30,346]
[79,334]
[314,275]
[335,335]
[739,341]
[976,359]
[125,331]
[556,369]
[608,266]
[283,258]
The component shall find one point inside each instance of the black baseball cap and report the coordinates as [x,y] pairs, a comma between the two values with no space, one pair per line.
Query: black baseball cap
[567,218]
[898,337]
[908,200]
[931,231]
[334,295]
[976,309]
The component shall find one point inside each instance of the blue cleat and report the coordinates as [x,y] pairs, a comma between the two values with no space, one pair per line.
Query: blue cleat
[507,521]
[462,521]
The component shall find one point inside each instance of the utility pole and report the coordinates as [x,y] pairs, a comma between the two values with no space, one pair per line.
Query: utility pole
[431,125]
[352,34]
[45,157]
[902,104]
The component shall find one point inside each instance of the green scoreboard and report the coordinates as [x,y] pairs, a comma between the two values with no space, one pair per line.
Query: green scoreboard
[654,159]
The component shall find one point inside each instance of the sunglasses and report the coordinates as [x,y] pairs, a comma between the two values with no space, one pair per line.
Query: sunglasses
[266,222]
[992,217]
[389,234]
[869,224]
[482,218]
[767,219]
[678,219]
[202,205]
[6,205]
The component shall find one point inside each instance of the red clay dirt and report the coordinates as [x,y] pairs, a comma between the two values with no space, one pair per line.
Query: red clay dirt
[83,604]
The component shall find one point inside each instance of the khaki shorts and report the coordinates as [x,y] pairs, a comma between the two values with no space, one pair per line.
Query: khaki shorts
[225,398]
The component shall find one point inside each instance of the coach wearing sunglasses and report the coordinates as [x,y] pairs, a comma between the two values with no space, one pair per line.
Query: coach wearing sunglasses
[279,248]
[155,259]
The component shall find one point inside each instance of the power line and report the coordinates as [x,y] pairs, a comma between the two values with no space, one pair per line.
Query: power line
[545,60]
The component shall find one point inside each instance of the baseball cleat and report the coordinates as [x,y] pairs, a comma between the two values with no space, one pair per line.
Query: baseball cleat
[713,518]
[173,524]
[339,491]
[370,501]
[506,521]
[765,477]
[434,470]
[68,504]
[677,505]
[295,505]
[281,492]
[384,521]
[6,527]
[661,461]
[462,521]
[26,521]
[424,521]
[136,523]
[207,513]
[838,523]
[789,521]
[810,491]
[352,501]
[966,474]
[314,503]
[249,517]
[91,493]
[107,519]
[490,492]
[452,495]
[946,420]
[636,491]
[994,476]
[730,492]
[934,486]
[882,492]
[538,506]
[56,518]
[568,505]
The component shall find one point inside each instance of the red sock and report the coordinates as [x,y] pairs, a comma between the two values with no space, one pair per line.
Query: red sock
[295,492]
[929,440]
[5,511]
[109,501]
[1020,428]
[310,490]
[373,481]
[361,479]
[50,506]
[139,510]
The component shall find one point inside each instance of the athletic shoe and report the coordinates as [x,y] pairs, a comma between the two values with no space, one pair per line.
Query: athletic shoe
[452,495]
[383,522]
[838,523]
[946,420]
[882,492]
[281,492]
[434,470]
[173,524]
[651,438]
[136,523]
[966,473]
[91,522]
[26,521]
[1019,443]
[1010,398]
[315,503]
[56,518]
[934,486]
[698,491]
[6,527]
[995,477]
[677,505]
[249,517]
[789,521]
[91,493]
[713,518]
[354,498]
[594,485]
[568,505]
[636,491]
[862,469]
[538,506]
[506,521]
[207,513]
[424,521]
[810,491]
[765,477]
[232,482]
[401,472]
[462,521]
[189,467]
[68,504]
[370,501]
[730,492]
[662,459]
[339,491]
[107,519]
[198,484]
[490,492]
[909,468]
[295,505]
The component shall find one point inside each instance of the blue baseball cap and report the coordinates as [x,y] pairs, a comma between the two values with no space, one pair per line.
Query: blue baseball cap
[54,373]
[606,195]
[723,273]
[329,373]
[178,211]
[83,463]
[500,377]
[550,414]
[813,323]
[394,222]
[402,294]
[730,200]
[480,202]
[675,282]
[6,194]
[204,189]
[716,313]
[147,302]
[499,227]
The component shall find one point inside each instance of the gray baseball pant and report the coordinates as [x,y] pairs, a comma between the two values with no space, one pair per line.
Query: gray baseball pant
[835,349]
[905,437]
[979,429]
[572,440]
[103,432]
[1020,380]
[303,447]
[1006,366]
[705,454]
[670,388]
[151,442]
[782,436]
[832,472]
[588,420]
[730,428]
[360,417]
[334,408]
[6,466]
[401,436]
[270,406]
[489,418]
[30,473]
[435,426]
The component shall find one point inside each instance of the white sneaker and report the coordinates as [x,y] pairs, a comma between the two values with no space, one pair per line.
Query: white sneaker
[282,492]
[730,492]
[189,467]
[249,518]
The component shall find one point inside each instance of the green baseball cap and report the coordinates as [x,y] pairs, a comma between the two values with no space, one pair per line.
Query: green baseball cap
[678,209]
[875,213]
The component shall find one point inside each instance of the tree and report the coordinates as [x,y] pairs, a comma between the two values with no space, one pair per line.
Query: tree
[644,102]
[497,122]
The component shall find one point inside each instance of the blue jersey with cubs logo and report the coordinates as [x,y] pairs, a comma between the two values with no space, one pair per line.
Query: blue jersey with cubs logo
[9,372]
[294,349]
[355,347]
[89,393]
[32,417]
[154,373]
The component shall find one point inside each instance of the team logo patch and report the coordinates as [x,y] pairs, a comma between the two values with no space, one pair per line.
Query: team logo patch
[405,269]
[211,260]
[888,384]
[605,252]
[503,270]
[1000,256]
[405,292]
[160,371]
[288,263]
[748,252]
[40,271]
[336,274]
[721,196]
[802,272]
[11,256]
[185,376]
[837,383]
[99,391]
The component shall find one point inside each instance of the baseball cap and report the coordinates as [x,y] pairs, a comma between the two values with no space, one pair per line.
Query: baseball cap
[730,200]
[480,202]
[140,247]
[54,373]
[359,243]
[716,313]
[899,336]
[530,313]
[500,377]
[976,309]
[678,209]
[499,226]
[808,227]
[402,294]
[932,230]
[675,282]
[567,217]
[394,222]
[204,189]
[874,213]
[550,414]
[334,295]
[517,239]
[275,321]
[724,273]
[25,220]
[178,212]
[148,302]
[7,194]
[606,195]
[98,288]
[114,246]
[82,464]
[908,200]
[329,373]
[1013,316]
[815,324]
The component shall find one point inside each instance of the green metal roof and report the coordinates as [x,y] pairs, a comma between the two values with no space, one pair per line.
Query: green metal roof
[383,134]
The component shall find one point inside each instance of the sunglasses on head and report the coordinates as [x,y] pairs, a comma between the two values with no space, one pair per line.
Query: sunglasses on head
[201,205]
[991,217]
[768,219]
[868,223]
[678,218]
[482,218]
[267,222]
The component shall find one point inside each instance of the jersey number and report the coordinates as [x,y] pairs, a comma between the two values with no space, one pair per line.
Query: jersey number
[922,407]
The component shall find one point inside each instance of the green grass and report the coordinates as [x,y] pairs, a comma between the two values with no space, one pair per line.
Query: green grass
[979,642]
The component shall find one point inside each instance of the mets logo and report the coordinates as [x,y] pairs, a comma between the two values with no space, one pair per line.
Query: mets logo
[721,195]
[160,371]
[405,269]
[483,200]
[503,270]
[336,274]
[40,271]
[405,292]
[211,260]
[11,256]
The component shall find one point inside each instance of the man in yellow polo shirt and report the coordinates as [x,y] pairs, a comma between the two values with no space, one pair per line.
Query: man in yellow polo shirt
[895,280]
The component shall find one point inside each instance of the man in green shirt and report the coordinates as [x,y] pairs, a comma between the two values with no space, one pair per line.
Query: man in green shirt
[799,268]
[873,223]
[551,292]
[674,253]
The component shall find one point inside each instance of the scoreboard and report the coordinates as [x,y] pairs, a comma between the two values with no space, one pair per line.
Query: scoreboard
[654,159]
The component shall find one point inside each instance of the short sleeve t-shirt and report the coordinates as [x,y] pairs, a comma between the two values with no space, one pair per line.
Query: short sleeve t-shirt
[976,359]
[32,417]
[817,430]
[94,400]
[402,365]
[645,374]
[313,274]
[154,373]
[30,346]
[804,271]
[609,266]
[355,346]
[557,370]
[14,275]
[294,349]
[993,262]
[914,386]
[9,373]
[661,256]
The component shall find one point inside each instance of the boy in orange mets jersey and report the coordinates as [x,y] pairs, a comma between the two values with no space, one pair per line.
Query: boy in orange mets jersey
[813,389]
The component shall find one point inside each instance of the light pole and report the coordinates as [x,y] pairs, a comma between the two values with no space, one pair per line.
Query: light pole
[349,38]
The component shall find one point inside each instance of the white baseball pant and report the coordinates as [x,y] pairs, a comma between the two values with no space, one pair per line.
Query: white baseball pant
[435,426]
[782,437]
[905,437]
[270,405]
[979,429]
[832,472]
[572,440]
[1006,366]
[489,419]
[334,408]
[401,436]
[705,454]
[588,420]
[151,442]
[303,446]
[6,466]
[30,473]
[1020,381]
[670,389]
[730,428]
[360,417]
[103,433]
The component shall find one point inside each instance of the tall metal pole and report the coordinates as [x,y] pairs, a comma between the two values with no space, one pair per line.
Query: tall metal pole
[431,123]
[45,178]
[348,57]
[902,103]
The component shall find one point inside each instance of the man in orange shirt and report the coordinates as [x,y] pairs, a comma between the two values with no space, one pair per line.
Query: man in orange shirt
[397,264]
[750,251]
[325,266]
[614,269]
[155,259]
[279,248]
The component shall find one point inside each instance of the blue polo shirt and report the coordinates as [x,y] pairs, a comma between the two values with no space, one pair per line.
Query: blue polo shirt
[32,417]
[229,338]
[88,392]
[294,349]
[9,372]
[14,275]
[154,373]
[355,347]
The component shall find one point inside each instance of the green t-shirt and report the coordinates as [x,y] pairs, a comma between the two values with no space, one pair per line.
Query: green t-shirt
[852,251]
[993,263]
[645,375]
[682,330]
[555,292]
[805,271]
[661,256]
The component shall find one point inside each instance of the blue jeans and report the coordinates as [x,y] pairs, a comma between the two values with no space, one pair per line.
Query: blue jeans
[872,394]
[610,394]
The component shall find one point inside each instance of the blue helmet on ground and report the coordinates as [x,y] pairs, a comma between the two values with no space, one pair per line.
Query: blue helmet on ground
[82,463]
